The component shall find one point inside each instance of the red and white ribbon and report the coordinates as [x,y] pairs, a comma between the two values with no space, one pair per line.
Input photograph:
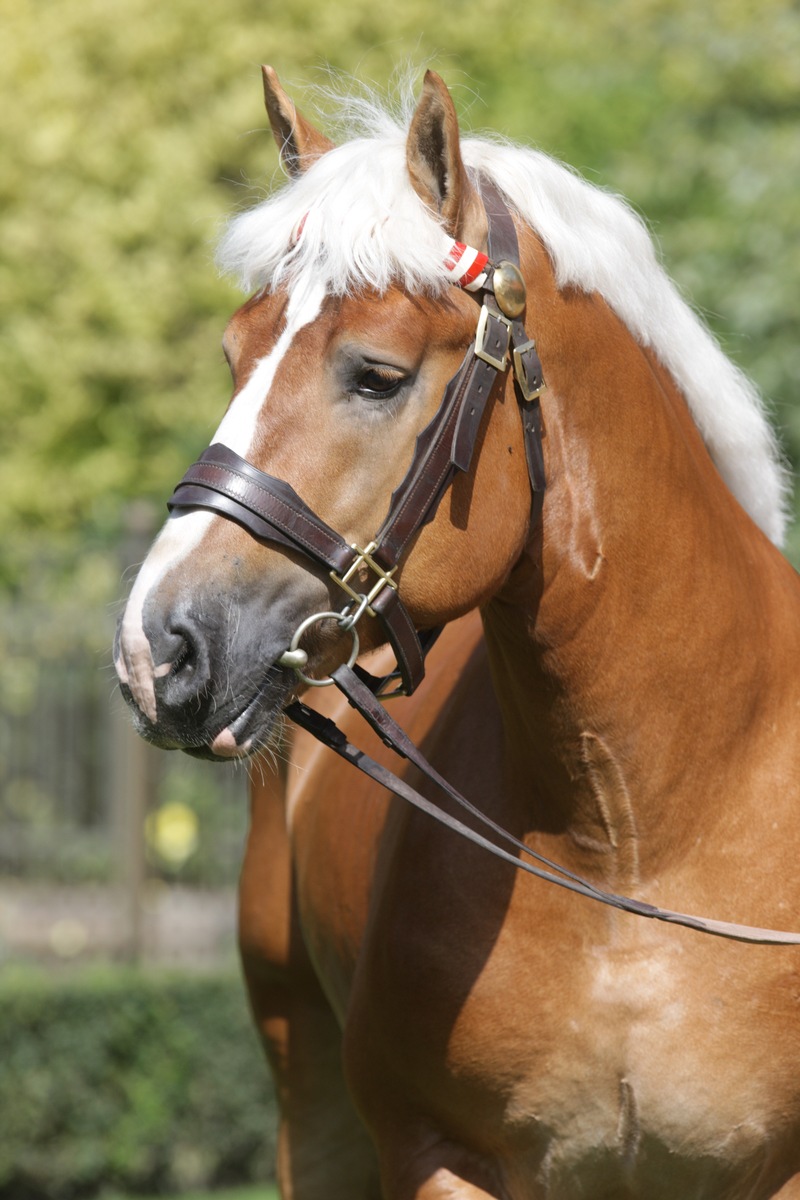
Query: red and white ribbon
[468,267]
[297,232]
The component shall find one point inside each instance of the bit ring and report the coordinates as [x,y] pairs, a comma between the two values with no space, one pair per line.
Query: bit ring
[292,655]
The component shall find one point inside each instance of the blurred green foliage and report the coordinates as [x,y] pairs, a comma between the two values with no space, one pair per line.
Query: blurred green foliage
[129,131]
[129,1081]
[216,801]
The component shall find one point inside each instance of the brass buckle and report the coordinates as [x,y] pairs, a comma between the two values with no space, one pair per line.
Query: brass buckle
[384,577]
[482,333]
[521,375]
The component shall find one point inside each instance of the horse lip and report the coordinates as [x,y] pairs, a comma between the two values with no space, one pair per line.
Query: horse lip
[244,734]
[225,745]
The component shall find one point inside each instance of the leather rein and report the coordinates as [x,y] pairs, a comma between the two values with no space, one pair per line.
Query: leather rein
[270,509]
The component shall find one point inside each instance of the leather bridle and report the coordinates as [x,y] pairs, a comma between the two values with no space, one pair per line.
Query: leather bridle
[271,510]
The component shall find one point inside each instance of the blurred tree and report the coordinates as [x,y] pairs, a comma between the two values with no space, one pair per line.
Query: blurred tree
[128,132]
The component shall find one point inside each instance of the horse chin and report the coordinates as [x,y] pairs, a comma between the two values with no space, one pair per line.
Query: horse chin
[255,727]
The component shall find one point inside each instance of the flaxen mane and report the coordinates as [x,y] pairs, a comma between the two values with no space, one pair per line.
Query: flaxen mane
[354,220]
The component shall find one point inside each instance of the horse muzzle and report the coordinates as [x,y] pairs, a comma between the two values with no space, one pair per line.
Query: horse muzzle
[204,678]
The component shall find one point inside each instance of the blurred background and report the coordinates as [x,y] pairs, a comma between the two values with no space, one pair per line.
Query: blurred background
[128,133]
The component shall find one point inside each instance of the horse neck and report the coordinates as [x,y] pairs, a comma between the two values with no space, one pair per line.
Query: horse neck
[616,644]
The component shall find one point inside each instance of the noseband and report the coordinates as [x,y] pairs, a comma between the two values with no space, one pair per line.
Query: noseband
[271,510]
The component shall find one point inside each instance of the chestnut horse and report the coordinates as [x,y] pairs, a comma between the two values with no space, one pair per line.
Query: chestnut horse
[627,701]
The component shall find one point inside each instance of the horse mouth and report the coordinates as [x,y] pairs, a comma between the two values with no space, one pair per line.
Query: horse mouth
[251,725]
[258,724]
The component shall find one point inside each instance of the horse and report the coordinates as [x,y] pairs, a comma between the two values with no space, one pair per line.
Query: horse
[615,686]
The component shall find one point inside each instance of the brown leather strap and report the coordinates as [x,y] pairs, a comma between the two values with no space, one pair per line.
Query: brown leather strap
[436,459]
[266,506]
[442,448]
[361,698]
[504,246]
[271,510]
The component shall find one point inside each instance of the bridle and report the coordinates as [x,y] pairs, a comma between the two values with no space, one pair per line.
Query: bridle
[270,509]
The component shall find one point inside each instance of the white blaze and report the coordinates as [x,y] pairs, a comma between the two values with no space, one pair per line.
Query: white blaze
[135,664]
[183,532]
[239,423]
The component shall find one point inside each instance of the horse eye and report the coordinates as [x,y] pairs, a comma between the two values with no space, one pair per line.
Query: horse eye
[379,383]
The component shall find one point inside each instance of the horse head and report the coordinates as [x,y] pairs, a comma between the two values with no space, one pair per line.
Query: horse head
[340,361]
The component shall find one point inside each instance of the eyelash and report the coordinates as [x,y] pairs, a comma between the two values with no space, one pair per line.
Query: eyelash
[388,379]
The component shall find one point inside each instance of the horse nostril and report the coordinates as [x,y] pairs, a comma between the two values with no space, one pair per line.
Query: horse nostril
[184,660]
[183,681]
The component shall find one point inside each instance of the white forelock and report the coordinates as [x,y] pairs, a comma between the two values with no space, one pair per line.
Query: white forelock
[364,226]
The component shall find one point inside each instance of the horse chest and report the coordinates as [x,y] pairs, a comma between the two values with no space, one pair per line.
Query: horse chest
[640,1063]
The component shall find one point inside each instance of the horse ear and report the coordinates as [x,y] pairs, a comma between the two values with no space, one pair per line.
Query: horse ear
[438,175]
[299,143]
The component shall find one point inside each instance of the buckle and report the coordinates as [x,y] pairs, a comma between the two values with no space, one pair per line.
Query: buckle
[384,577]
[531,388]
[487,331]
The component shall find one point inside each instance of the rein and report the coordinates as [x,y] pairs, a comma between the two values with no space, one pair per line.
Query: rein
[360,697]
[271,510]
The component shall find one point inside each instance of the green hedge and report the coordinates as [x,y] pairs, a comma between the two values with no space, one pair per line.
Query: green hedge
[129,1081]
